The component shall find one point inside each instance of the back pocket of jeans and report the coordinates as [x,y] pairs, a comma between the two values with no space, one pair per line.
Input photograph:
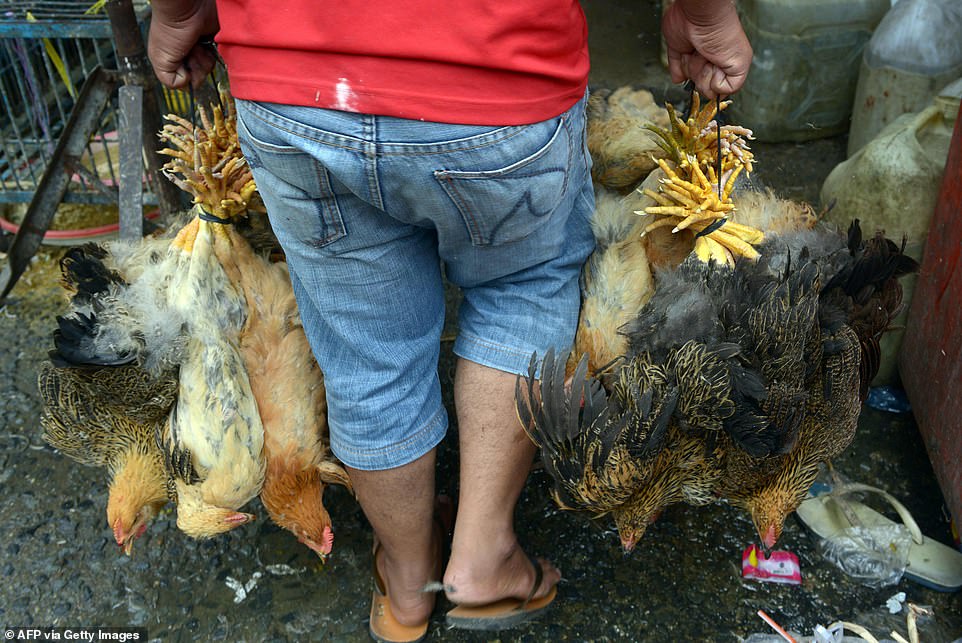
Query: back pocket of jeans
[507,204]
[297,189]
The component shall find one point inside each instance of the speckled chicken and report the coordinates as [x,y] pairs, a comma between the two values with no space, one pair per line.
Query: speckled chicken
[598,448]
[78,422]
[105,390]
[840,361]
[213,442]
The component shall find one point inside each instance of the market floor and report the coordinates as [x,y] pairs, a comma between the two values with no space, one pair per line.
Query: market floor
[60,566]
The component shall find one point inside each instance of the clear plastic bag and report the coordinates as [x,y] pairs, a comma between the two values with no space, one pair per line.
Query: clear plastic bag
[874,556]
[914,52]
[920,36]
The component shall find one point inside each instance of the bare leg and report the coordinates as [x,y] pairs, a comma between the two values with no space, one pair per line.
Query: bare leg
[486,562]
[399,503]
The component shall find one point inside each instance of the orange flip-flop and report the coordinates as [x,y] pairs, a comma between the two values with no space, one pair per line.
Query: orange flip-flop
[383,627]
[506,613]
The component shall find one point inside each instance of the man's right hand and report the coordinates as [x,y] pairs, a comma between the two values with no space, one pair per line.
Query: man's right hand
[173,45]
[706,43]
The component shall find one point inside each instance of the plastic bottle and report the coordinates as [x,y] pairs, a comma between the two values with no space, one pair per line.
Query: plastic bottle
[805,68]
[915,51]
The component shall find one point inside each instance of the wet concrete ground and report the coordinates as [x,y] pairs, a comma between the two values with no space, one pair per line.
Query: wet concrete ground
[60,566]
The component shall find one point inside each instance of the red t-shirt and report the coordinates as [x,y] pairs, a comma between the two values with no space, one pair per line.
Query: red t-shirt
[480,62]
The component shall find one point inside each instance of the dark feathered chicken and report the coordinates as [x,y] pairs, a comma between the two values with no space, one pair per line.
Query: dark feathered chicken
[765,370]
[767,340]
[866,289]
[656,439]
[597,448]
[80,424]
[860,298]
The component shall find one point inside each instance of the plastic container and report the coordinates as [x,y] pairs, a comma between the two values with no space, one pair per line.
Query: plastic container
[892,184]
[915,52]
[805,68]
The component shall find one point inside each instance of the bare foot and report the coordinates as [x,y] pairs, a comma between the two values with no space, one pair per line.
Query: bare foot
[487,578]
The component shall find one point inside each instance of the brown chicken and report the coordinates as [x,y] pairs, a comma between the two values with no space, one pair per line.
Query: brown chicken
[213,443]
[289,389]
[616,281]
[622,147]
[627,140]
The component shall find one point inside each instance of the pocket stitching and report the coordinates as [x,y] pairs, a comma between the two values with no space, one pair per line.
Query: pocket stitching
[449,181]
[510,169]
[330,214]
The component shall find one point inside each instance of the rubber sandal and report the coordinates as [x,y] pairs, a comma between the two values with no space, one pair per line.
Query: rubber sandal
[930,563]
[383,627]
[506,613]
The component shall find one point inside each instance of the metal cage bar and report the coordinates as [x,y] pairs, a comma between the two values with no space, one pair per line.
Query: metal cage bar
[47,49]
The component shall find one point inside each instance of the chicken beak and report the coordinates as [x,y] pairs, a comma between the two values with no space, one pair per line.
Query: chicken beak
[323,550]
[769,538]
[120,536]
[317,550]
[125,539]
[238,518]
[628,542]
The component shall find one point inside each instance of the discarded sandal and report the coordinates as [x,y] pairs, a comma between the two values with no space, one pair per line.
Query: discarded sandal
[930,563]
[506,613]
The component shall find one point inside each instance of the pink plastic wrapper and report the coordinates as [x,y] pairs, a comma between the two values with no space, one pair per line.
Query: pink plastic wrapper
[778,567]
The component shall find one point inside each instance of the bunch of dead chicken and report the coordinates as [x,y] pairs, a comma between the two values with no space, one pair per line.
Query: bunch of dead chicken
[182,367]
[726,341]
[727,338]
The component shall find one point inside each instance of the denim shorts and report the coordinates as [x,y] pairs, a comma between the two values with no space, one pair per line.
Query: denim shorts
[367,208]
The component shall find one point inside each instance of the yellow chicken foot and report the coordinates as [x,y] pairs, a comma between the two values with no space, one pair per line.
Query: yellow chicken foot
[184,240]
